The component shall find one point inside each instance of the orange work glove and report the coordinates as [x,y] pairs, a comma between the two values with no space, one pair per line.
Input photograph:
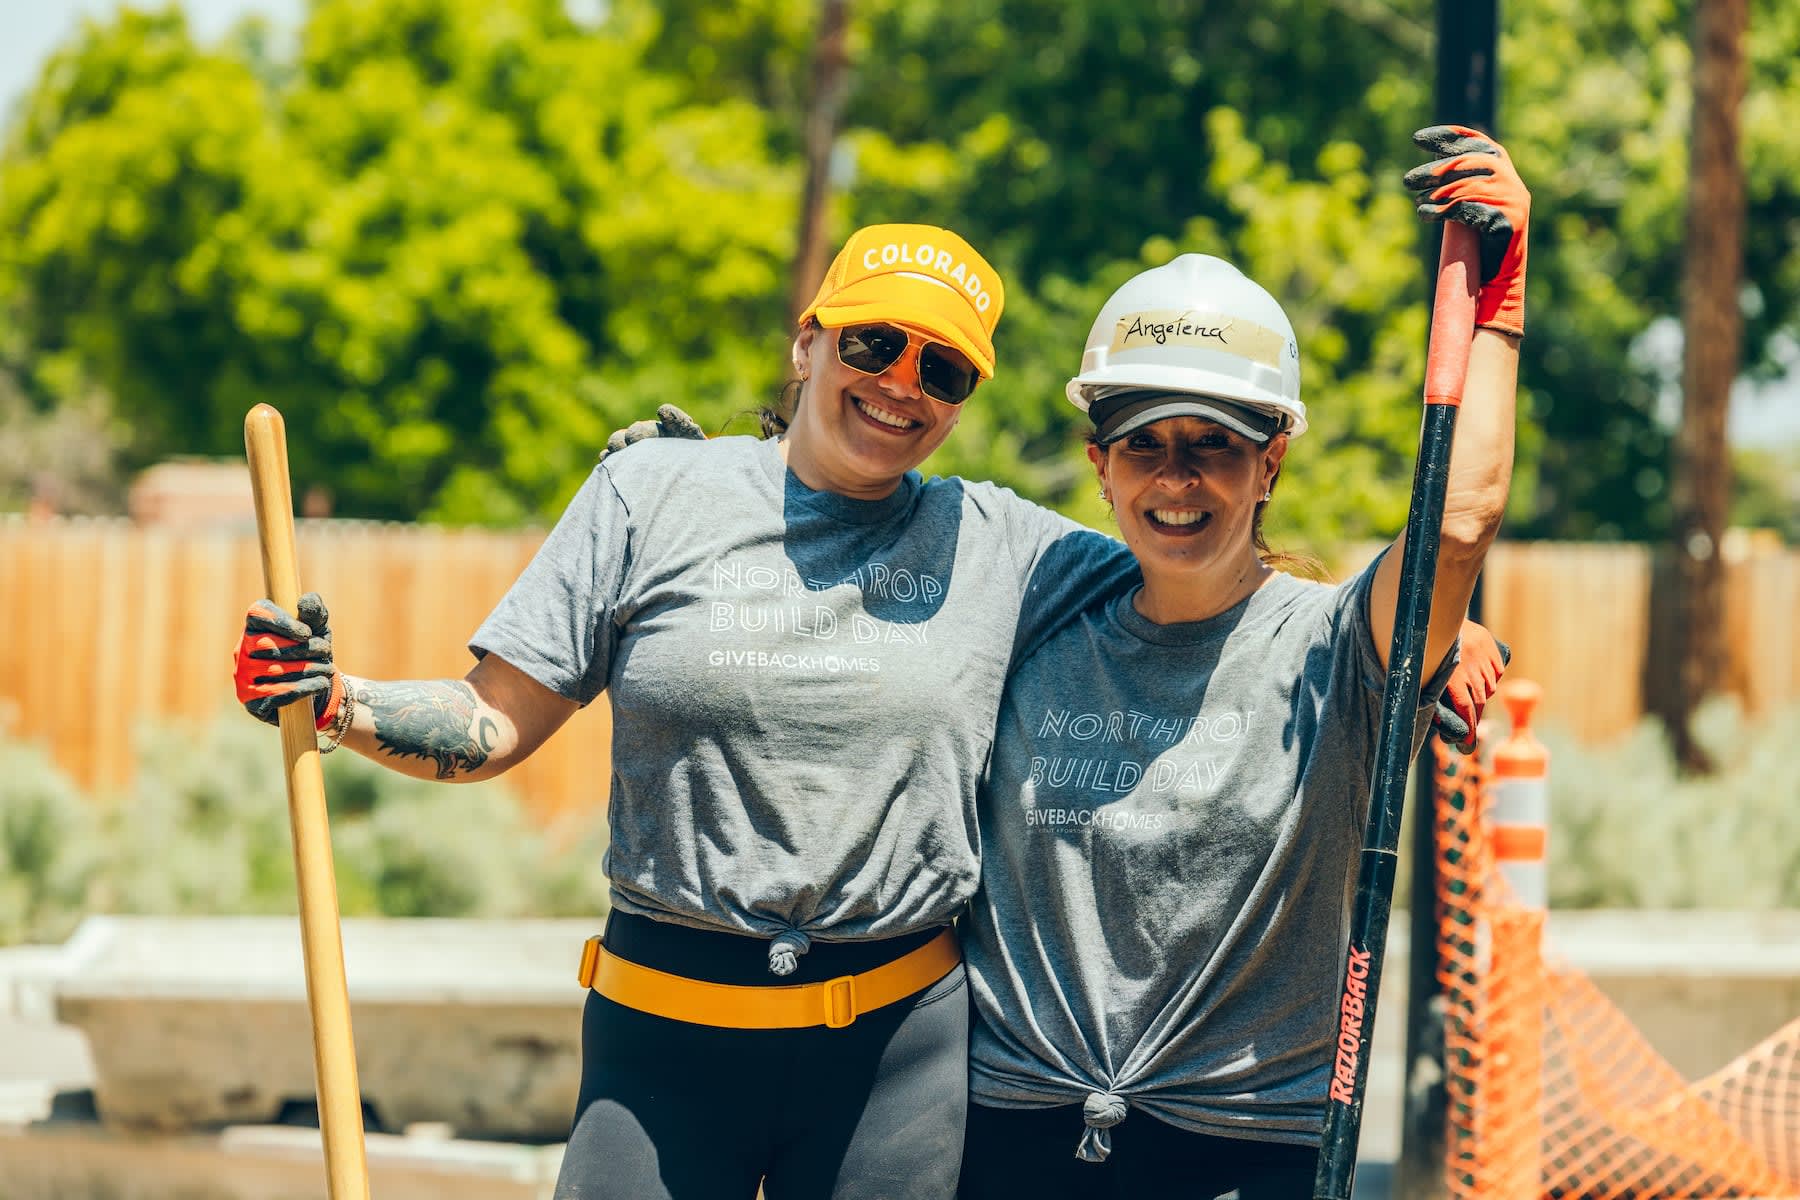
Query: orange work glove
[1471,686]
[1473,181]
[279,660]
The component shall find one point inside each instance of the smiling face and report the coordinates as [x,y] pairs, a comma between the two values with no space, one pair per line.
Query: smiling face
[856,434]
[1185,491]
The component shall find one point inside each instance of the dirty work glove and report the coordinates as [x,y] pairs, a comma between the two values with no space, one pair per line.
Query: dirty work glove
[1471,686]
[670,422]
[279,660]
[1473,181]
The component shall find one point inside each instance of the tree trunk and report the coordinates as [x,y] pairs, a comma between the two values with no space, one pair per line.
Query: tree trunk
[831,78]
[1713,329]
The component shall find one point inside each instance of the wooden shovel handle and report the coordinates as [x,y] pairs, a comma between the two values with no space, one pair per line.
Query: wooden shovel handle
[327,990]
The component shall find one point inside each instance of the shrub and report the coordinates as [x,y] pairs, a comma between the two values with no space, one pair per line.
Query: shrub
[1627,830]
[437,851]
[48,853]
[203,830]
[203,827]
[416,848]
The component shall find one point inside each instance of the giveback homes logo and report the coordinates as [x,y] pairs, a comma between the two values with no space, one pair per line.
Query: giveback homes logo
[782,610]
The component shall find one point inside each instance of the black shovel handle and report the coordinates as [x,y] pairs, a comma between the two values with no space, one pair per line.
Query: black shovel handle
[1446,366]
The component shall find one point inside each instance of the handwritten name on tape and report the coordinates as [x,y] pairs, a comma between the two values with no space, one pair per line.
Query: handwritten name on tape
[1209,331]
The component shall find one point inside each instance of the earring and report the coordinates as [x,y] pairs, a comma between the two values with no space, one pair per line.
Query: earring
[1105,499]
[803,375]
[1268,495]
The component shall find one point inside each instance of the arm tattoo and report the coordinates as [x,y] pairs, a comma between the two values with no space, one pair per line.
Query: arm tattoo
[440,720]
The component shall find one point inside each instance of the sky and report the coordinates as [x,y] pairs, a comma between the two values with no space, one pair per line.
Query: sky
[31,29]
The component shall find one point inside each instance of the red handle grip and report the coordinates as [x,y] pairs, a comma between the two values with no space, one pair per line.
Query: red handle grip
[1452,316]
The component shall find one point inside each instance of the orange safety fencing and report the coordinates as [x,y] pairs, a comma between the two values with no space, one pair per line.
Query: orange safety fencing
[1551,1091]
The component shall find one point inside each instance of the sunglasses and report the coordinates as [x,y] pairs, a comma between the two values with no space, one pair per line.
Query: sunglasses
[944,374]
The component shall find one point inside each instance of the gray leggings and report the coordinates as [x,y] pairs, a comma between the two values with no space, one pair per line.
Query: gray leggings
[672,1111]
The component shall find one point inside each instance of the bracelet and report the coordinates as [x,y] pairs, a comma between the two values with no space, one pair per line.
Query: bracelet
[340,724]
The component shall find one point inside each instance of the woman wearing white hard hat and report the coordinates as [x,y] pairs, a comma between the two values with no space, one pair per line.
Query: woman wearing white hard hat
[1171,817]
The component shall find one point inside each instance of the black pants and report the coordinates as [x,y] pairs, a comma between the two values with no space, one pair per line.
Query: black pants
[672,1111]
[1014,1153]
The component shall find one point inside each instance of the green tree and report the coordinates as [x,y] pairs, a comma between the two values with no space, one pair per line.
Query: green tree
[1077,143]
[459,241]
[1067,136]
[1339,250]
[130,150]
[1768,490]
[1597,102]
[457,244]
[1106,140]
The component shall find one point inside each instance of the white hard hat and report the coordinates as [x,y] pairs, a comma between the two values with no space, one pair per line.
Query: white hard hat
[1195,326]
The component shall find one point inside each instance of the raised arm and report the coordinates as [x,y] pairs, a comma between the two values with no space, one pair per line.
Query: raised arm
[1473,181]
[459,730]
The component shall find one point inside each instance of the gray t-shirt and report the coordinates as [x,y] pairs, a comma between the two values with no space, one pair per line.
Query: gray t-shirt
[803,686]
[1170,829]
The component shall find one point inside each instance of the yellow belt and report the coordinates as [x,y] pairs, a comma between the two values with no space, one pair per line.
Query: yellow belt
[834,1003]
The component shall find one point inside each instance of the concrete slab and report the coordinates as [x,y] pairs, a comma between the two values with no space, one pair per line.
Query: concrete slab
[1702,987]
[475,1024]
[274,1163]
[23,1101]
[44,1053]
[198,1024]
[60,1162]
[23,970]
[258,958]
[38,1057]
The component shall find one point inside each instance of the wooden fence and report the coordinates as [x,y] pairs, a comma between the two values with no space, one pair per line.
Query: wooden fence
[104,624]
[1592,623]
[107,624]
